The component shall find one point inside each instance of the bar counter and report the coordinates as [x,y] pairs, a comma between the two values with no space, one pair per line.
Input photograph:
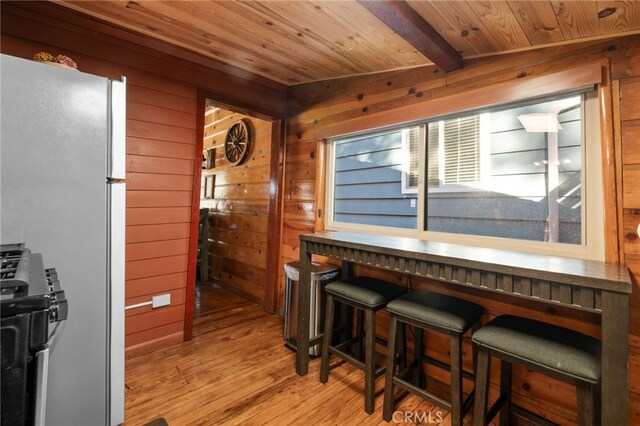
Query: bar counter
[593,286]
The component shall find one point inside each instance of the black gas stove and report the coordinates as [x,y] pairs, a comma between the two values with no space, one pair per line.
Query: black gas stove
[33,309]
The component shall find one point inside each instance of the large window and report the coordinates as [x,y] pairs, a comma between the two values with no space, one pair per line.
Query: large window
[505,177]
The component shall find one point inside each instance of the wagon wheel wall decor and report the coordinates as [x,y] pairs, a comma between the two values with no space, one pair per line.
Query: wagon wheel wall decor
[236,143]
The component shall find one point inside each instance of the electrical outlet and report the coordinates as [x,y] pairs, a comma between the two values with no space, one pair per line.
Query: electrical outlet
[161,300]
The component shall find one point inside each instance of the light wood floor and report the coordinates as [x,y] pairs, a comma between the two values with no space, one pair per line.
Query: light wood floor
[236,370]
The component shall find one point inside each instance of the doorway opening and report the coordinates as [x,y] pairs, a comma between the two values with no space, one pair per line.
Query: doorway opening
[238,212]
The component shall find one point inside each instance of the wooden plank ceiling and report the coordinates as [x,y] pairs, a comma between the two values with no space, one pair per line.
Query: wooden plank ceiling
[295,42]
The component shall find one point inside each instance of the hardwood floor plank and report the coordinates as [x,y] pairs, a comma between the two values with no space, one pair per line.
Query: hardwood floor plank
[293,396]
[212,402]
[236,371]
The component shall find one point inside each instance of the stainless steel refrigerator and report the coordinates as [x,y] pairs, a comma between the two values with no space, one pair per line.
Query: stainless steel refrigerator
[62,193]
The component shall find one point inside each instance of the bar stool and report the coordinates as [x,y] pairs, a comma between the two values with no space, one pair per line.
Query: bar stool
[558,352]
[367,296]
[435,312]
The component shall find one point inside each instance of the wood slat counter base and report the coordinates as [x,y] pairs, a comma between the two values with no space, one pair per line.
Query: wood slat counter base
[581,284]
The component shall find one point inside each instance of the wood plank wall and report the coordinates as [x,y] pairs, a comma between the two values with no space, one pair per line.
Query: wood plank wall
[162,92]
[353,104]
[299,204]
[630,241]
[240,206]
[160,158]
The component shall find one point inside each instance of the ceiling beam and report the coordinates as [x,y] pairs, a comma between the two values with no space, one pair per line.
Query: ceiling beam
[408,24]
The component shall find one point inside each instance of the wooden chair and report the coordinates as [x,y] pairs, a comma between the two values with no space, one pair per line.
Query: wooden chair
[556,351]
[436,313]
[367,296]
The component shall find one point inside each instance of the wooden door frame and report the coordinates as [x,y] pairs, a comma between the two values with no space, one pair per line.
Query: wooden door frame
[276,187]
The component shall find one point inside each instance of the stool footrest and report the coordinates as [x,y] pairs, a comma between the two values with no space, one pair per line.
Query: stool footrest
[410,387]
[446,367]
[351,359]
[381,341]
[318,339]
[346,343]
[406,371]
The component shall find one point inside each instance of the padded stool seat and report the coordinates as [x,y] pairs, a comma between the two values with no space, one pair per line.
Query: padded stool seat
[367,295]
[365,291]
[556,351]
[435,312]
[555,348]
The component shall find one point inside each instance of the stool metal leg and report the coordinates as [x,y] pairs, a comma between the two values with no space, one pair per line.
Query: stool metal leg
[328,330]
[387,410]
[457,413]
[505,389]
[369,363]
[586,404]
[482,387]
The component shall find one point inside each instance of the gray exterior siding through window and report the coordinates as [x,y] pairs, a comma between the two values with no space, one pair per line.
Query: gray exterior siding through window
[518,205]
[368,183]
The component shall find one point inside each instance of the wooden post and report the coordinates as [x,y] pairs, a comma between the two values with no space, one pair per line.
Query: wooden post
[615,358]
[195,220]
[274,237]
[304,295]
[370,361]
[609,166]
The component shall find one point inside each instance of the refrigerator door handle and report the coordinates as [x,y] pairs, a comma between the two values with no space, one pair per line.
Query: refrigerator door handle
[118,119]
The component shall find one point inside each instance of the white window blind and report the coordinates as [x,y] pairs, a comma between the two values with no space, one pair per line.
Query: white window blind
[462,150]
[413,139]
[454,151]
[433,153]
